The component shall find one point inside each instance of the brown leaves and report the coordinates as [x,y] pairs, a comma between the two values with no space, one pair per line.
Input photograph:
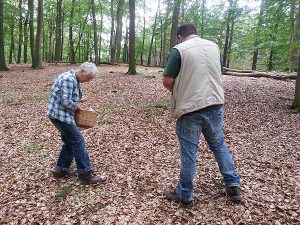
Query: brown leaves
[135,145]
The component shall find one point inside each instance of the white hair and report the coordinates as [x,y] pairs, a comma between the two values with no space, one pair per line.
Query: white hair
[89,68]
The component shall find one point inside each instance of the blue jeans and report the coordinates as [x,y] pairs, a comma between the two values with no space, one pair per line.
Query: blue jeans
[73,147]
[188,129]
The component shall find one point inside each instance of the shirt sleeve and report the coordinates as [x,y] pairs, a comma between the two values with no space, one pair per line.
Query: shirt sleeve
[67,87]
[173,64]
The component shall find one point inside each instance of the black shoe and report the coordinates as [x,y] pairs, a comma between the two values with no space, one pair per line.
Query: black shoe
[171,195]
[233,193]
[63,174]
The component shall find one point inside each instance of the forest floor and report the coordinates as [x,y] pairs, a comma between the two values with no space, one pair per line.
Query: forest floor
[135,145]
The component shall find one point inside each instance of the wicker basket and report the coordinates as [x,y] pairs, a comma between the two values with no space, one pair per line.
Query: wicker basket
[85,118]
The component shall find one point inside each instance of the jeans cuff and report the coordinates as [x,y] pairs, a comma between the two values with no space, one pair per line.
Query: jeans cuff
[88,169]
[60,169]
[233,185]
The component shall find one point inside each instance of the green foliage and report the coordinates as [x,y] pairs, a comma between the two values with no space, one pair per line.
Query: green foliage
[63,192]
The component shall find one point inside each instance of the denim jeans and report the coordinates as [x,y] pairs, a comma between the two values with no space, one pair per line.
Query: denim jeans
[73,147]
[188,129]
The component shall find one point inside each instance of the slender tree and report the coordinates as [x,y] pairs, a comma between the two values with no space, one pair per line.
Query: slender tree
[20,32]
[26,38]
[2,54]
[296,102]
[153,35]
[71,41]
[95,32]
[58,36]
[257,34]
[132,65]
[295,37]
[31,30]
[112,34]
[175,17]
[38,40]
[144,32]
[120,12]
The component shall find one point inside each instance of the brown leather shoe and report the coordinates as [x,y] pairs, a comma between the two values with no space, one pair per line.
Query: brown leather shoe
[89,178]
[63,174]
[171,195]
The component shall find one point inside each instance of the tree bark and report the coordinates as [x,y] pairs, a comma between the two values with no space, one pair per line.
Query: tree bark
[12,43]
[26,38]
[112,34]
[257,35]
[58,42]
[132,65]
[296,102]
[295,37]
[175,17]
[31,30]
[144,32]
[153,35]
[38,40]
[120,12]
[95,32]
[3,66]
[72,50]
[20,33]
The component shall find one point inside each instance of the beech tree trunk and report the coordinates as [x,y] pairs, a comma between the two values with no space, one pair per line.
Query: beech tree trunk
[153,35]
[144,32]
[176,10]
[95,32]
[120,12]
[20,33]
[131,57]
[296,102]
[2,54]
[38,40]
[31,30]
[58,42]
[26,39]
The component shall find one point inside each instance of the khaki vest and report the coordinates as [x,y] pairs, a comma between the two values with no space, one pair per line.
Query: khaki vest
[198,84]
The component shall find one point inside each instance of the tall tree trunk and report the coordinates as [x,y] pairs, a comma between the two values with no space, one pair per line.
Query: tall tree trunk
[2,54]
[38,40]
[132,65]
[72,50]
[120,12]
[31,30]
[153,35]
[230,43]
[258,29]
[26,38]
[101,30]
[12,43]
[20,33]
[112,34]
[95,32]
[144,32]
[271,59]
[295,37]
[166,24]
[296,102]
[203,9]
[58,42]
[175,17]
[125,48]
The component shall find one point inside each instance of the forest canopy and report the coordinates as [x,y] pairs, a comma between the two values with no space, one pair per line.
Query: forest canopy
[259,35]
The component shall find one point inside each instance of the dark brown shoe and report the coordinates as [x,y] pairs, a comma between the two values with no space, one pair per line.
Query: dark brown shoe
[63,174]
[171,195]
[89,178]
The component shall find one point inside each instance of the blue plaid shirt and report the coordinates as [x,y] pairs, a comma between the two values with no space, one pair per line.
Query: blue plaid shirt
[65,93]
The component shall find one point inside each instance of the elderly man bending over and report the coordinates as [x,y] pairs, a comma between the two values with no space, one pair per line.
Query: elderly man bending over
[63,102]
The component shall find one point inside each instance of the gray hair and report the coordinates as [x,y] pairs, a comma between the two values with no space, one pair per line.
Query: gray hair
[89,68]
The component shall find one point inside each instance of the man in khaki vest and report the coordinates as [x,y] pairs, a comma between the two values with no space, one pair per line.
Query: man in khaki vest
[193,75]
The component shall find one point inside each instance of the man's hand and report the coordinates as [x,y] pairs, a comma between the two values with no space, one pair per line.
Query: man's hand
[168,82]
